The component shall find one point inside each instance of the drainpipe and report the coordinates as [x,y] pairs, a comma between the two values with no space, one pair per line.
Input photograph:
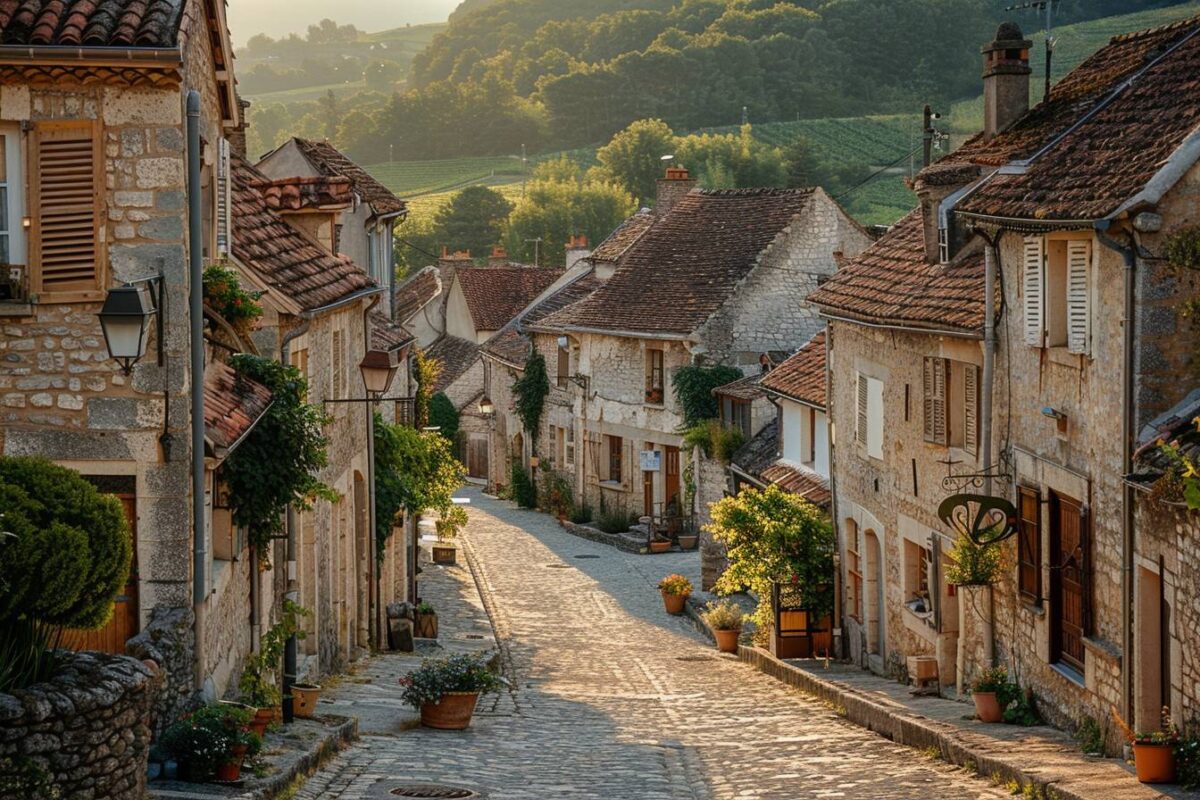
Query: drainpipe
[293,583]
[196,323]
[1129,255]
[991,258]
[373,590]
[838,610]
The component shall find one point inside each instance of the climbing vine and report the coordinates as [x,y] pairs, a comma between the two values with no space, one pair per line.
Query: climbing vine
[426,372]
[277,464]
[694,386]
[530,392]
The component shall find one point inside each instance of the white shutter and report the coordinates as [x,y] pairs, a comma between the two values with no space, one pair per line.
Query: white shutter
[1079,257]
[971,408]
[935,400]
[222,210]
[1034,294]
[860,427]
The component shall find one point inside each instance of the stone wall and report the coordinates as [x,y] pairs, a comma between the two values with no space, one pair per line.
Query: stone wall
[86,731]
[712,483]
[228,623]
[167,641]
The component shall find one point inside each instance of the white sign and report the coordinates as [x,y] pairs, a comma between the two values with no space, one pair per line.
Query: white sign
[651,460]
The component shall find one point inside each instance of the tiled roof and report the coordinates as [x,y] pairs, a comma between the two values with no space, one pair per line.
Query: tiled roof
[287,260]
[511,343]
[331,161]
[798,480]
[624,237]
[415,293]
[891,282]
[232,404]
[456,356]
[1108,127]
[743,388]
[90,23]
[801,377]
[689,262]
[1177,425]
[385,335]
[495,295]
[294,194]
[760,452]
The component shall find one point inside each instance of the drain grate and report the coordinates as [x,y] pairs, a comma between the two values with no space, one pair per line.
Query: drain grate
[473,636]
[694,658]
[558,566]
[587,555]
[430,790]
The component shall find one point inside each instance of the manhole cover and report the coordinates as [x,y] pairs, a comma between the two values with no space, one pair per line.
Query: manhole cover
[558,566]
[587,555]
[434,791]
[694,658]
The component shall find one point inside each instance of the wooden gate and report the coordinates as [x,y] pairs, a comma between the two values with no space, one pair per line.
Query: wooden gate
[477,455]
[124,623]
[1068,561]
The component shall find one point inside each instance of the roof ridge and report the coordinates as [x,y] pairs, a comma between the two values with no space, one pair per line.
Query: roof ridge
[1133,36]
[756,191]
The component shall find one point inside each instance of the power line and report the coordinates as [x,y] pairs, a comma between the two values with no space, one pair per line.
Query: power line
[878,172]
[418,249]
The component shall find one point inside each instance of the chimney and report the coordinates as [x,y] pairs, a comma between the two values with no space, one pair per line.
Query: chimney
[499,256]
[577,250]
[237,136]
[671,188]
[1005,79]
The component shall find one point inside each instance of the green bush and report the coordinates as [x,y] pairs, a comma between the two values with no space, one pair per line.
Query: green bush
[524,492]
[694,390]
[614,521]
[714,439]
[443,415]
[973,564]
[556,494]
[435,678]
[581,514]
[64,547]
[202,741]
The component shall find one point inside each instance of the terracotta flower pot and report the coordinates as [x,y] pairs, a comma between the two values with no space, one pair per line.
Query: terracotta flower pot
[451,713]
[727,641]
[304,699]
[688,542]
[426,627]
[987,707]
[1155,763]
[262,718]
[674,603]
[229,772]
[659,545]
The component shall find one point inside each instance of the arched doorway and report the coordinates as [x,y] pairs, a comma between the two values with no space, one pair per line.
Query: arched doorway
[873,592]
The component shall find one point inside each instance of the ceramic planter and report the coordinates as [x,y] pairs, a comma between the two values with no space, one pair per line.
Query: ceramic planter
[674,603]
[659,545]
[1155,763]
[230,772]
[262,718]
[688,541]
[987,707]
[727,641]
[304,699]
[444,554]
[451,713]
[426,627]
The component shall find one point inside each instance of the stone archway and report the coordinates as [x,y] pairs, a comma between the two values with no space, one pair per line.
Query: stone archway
[873,592]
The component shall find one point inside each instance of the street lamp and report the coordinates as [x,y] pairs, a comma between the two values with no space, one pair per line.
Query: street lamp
[486,406]
[125,319]
[378,370]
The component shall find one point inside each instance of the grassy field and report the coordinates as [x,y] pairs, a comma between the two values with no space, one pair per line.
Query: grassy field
[306,93]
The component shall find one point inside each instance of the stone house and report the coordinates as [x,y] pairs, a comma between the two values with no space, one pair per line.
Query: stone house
[717,277]
[1064,209]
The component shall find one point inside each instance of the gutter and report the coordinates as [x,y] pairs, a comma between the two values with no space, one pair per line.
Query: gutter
[62,54]
[345,301]
[903,328]
[775,393]
[661,337]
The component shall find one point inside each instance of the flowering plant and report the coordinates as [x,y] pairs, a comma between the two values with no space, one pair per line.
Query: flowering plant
[435,678]
[724,616]
[675,584]
[224,294]
[205,739]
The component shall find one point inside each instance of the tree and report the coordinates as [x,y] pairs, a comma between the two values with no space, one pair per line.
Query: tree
[473,220]
[332,111]
[802,165]
[415,471]
[772,536]
[731,161]
[426,372]
[443,416]
[633,157]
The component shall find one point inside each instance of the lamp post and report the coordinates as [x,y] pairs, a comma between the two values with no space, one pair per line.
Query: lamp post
[378,370]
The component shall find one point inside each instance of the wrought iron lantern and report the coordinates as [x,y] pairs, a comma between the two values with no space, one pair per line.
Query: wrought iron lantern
[125,319]
[378,370]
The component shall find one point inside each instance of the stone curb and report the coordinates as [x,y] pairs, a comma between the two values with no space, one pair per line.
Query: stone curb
[329,745]
[593,535]
[1063,773]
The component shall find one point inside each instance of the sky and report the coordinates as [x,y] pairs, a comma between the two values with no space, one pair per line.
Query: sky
[280,17]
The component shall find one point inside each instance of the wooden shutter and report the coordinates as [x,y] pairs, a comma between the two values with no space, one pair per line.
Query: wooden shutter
[1079,257]
[1033,284]
[934,570]
[66,234]
[1029,544]
[337,389]
[860,427]
[223,198]
[935,400]
[971,408]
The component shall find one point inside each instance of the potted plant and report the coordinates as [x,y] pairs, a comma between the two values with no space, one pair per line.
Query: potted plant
[688,541]
[1153,751]
[445,690]
[304,699]
[427,621]
[258,683]
[725,620]
[444,551]
[675,590]
[659,544]
[987,691]
[212,742]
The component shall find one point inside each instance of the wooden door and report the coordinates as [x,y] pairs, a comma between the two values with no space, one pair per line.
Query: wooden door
[648,493]
[124,623]
[671,479]
[477,456]
[1068,560]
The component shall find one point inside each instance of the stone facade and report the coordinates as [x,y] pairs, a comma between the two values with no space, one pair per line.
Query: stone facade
[85,733]
[167,641]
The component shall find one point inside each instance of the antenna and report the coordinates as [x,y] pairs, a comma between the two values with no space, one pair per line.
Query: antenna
[1048,7]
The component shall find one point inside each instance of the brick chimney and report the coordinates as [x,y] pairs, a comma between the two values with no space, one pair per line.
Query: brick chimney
[577,249]
[237,136]
[674,185]
[499,256]
[1005,79]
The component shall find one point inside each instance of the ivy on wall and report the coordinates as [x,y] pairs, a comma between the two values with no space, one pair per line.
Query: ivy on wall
[694,386]
[529,393]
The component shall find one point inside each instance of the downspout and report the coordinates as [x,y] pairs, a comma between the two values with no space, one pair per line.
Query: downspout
[373,591]
[838,609]
[991,257]
[1129,255]
[196,323]
[293,583]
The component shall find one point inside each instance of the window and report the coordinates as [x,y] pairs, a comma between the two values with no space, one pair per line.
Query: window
[736,413]
[66,245]
[868,428]
[918,573]
[615,447]
[12,236]
[569,449]
[951,407]
[564,366]
[553,446]
[654,376]
[222,198]
[1057,293]
[854,572]
[1029,545]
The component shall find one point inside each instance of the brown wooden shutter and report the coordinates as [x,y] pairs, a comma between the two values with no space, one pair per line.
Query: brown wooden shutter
[971,408]
[66,185]
[935,400]
[861,421]
[1029,544]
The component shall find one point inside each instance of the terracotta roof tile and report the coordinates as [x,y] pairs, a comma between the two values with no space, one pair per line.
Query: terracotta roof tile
[232,404]
[385,335]
[798,480]
[294,194]
[332,162]
[512,343]
[760,451]
[693,257]
[91,23]
[891,282]
[625,236]
[290,262]
[456,356]
[746,388]
[415,293]
[802,376]
[1177,425]
[495,295]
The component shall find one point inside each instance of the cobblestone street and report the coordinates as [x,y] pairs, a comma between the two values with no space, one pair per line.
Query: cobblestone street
[612,698]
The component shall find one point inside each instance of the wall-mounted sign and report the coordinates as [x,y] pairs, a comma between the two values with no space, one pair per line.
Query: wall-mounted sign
[651,460]
[985,519]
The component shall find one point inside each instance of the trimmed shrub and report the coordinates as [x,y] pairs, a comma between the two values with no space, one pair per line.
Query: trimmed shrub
[524,492]
[443,415]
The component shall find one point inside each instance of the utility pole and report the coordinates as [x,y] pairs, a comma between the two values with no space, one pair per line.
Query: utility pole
[524,169]
[1048,7]
[391,153]
[537,250]
[927,132]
